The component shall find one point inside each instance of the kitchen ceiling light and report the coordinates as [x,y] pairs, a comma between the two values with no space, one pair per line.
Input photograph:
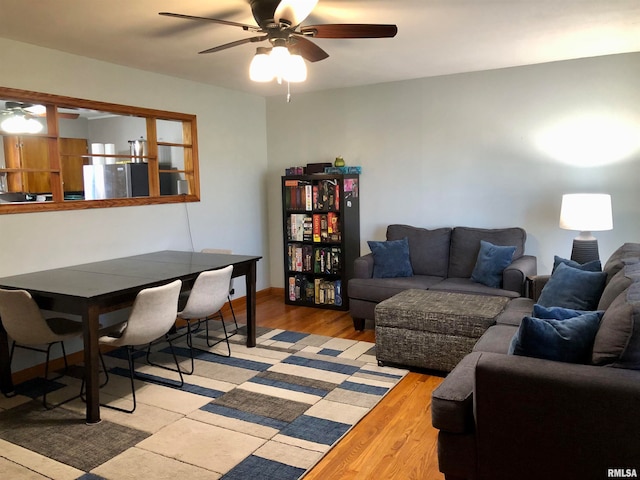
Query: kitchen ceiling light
[18,123]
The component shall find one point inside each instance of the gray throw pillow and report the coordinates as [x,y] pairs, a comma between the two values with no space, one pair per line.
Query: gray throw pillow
[617,342]
[615,286]
[569,287]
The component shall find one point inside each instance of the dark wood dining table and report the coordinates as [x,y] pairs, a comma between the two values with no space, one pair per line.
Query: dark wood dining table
[92,289]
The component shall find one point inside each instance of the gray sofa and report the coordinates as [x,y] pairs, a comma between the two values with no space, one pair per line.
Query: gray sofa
[442,259]
[503,416]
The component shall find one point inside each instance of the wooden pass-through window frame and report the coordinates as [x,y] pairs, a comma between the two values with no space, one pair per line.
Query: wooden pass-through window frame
[51,154]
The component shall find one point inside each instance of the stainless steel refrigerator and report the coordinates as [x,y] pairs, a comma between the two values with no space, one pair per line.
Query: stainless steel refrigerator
[121,180]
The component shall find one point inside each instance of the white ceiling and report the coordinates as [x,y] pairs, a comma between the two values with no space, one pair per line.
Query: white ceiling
[435,37]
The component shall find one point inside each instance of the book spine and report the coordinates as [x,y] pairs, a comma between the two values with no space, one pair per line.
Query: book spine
[308,190]
[317,230]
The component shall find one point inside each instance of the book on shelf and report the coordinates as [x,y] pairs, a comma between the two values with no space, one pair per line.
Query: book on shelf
[296,226]
[298,195]
[316,227]
[328,292]
[300,257]
[301,288]
[326,195]
[327,260]
[326,227]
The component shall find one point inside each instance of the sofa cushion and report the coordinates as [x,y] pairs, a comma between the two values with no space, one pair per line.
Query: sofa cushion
[491,262]
[569,287]
[615,262]
[466,285]
[496,339]
[615,286]
[617,342]
[428,249]
[465,245]
[514,312]
[378,289]
[593,266]
[391,259]
[569,340]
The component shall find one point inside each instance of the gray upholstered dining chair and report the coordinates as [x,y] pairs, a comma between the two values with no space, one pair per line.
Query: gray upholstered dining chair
[30,330]
[231,289]
[208,295]
[152,316]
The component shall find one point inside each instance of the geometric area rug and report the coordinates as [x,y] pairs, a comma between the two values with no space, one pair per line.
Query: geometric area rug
[269,412]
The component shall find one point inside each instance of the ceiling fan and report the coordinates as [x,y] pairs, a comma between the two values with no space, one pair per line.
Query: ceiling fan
[33,110]
[279,22]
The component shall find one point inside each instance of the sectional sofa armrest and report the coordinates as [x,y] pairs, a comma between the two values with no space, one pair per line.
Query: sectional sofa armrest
[542,419]
[515,276]
[537,284]
[452,401]
[363,266]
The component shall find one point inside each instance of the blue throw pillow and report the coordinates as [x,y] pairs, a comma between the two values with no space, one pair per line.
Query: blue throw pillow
[592,266]
[559,313]
[391,258]
[569,287]
[569,340]
[491,262]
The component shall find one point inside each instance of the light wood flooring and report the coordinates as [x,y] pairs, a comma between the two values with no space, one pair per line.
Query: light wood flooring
[396,439]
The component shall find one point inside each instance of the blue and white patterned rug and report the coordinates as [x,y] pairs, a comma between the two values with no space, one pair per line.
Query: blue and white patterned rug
[270,412]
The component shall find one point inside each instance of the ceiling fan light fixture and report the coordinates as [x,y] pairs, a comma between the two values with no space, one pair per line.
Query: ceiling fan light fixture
[297,69]
[261,69]
[280,60]
[18,123]
[293,12]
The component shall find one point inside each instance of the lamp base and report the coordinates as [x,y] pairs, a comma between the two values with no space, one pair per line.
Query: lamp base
[584,250]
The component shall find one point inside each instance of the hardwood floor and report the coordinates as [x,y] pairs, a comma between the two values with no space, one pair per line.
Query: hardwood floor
[396,439]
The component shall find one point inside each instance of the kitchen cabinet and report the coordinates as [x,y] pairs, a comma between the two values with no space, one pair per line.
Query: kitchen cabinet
[29,157]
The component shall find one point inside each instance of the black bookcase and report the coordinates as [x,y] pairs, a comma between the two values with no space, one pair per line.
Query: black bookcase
[321,232]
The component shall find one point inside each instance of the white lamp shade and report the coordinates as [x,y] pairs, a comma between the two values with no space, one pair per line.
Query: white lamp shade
[586,212]
[296,69]
[261,69]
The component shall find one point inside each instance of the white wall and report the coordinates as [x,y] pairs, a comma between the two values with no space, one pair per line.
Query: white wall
[465,150]
[233,166]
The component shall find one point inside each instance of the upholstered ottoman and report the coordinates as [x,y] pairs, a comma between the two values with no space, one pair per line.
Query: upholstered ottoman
[431,329]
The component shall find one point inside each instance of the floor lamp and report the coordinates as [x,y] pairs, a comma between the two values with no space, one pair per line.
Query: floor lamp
[586,212]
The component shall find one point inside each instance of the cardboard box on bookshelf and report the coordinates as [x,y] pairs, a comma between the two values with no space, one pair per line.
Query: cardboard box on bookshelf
[343,170]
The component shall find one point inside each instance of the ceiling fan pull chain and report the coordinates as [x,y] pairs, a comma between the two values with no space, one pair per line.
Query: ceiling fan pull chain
[288,92]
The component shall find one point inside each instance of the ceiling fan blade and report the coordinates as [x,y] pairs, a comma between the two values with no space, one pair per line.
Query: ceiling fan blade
[235,44]
[251,28]
[309,50]
[350,30]
[293,12]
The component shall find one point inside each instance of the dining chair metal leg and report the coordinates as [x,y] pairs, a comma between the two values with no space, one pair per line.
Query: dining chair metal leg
[226,337]
[233,314]
[45,389]
[171,338]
